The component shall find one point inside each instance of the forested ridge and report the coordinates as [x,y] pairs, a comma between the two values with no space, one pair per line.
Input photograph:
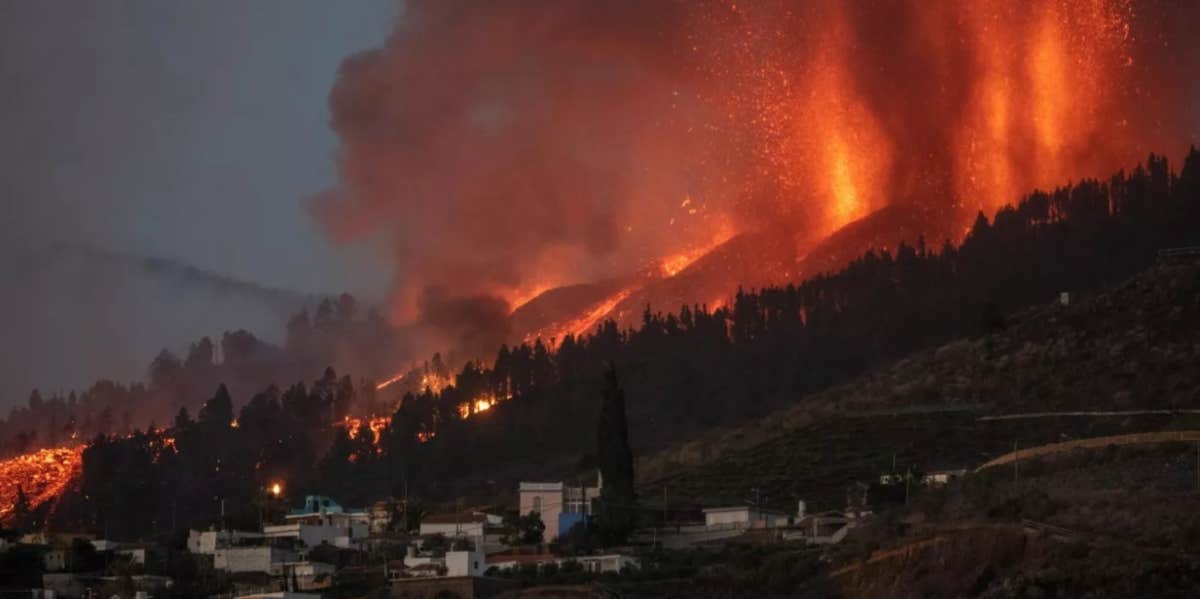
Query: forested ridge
[682,371]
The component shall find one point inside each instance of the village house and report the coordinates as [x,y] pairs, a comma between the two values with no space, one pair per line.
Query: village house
[745,517]
[559,505]
[450,564]
[322,521]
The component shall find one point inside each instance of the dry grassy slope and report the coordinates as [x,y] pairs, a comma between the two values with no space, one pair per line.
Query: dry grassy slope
[1115,522]
[1135,346]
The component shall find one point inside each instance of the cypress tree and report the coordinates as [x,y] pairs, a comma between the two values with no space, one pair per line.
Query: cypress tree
[616,514]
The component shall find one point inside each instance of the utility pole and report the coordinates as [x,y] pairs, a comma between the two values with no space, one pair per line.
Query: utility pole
[1016,464]
[907,480]
[664,505]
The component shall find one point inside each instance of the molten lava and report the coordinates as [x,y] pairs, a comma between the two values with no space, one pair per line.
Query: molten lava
[42,475]
[583,324]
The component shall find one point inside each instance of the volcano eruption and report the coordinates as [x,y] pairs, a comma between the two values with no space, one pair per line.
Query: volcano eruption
[569,161]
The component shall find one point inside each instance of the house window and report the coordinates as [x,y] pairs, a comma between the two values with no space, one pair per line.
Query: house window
[537,504]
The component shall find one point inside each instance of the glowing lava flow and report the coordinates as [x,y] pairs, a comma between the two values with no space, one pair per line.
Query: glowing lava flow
[583,324]
[677,263]
[387,382]
[432,381]
[42,475]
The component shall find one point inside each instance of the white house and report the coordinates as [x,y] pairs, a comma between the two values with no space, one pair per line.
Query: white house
[744,517]
[454,563]
[560,506]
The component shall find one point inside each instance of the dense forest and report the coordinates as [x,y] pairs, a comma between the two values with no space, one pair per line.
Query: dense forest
[536,403]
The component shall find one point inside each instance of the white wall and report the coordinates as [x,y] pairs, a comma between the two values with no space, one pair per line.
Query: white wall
[243,559]
[548,504]
[727,517]
[465,563]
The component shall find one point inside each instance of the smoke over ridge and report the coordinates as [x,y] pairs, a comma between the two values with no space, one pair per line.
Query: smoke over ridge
[510,147]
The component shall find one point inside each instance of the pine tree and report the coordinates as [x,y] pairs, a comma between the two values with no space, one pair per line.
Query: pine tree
[217,411]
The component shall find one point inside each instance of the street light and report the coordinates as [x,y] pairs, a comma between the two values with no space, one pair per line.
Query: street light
[276,489]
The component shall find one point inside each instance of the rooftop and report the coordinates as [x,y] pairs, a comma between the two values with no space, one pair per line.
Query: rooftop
[744,508]
[537,487]
[454,519]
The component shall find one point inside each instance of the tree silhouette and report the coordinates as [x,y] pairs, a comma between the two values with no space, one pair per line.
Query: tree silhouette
[617,498]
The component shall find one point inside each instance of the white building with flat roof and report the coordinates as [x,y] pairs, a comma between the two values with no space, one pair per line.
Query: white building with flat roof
[744,516]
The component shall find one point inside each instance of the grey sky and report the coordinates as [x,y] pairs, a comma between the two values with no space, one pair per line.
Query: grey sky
[191,130]
[187,130]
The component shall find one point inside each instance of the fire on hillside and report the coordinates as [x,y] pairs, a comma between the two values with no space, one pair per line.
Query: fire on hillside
[41,475]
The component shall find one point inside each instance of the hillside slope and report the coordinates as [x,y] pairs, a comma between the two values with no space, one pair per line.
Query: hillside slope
[1134,346]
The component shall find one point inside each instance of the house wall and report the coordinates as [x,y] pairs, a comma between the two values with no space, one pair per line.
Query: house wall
[773,520]
[251,559]
[465,563]
[546,503]
[741,516]
[313,535]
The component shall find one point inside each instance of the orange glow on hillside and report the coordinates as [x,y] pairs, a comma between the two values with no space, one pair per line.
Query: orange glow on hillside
[358,426]
[583,324]
[480,404]
[43,475]
[677,263]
